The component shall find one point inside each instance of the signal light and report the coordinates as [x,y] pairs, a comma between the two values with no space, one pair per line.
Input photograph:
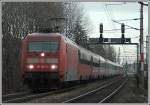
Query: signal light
[101,28]
[101,32]
[122,28]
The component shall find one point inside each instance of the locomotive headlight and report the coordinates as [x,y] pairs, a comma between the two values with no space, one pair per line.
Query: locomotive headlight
[54,66]
[31,66]
[42,54]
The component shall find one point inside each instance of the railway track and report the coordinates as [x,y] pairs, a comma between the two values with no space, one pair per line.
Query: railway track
[27,97]
[17,94]
[99,95]
[24,98]
[111,94]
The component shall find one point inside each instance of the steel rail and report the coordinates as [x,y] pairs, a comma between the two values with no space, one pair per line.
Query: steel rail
[90,92]
[26,98]
[113,93]
[32,96]
[17,94]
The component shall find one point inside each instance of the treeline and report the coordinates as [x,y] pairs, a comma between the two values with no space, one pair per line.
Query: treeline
[21,18]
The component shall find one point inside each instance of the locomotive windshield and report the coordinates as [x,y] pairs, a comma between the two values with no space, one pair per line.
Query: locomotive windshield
[45,46]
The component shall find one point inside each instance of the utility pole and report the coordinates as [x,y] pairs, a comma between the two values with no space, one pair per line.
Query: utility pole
[143,73]
[141,44]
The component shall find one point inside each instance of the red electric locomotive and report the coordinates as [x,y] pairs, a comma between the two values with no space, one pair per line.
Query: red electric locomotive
[43,59]
[49,59]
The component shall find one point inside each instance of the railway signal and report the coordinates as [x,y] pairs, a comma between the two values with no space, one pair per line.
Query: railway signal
[122,31]
[122,28]
[101,28]
[121,40]
[101,32]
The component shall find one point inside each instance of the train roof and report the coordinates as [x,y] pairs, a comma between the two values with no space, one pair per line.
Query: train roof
[113,63]
[44,34]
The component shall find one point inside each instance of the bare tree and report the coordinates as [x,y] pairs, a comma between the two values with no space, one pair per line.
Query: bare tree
[18,19]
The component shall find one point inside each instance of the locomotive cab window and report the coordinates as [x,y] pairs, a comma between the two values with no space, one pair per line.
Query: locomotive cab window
[46,46]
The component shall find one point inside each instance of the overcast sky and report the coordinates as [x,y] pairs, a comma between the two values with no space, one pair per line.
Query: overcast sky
[105,12]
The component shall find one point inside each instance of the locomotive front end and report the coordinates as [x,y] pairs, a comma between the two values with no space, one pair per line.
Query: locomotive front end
[41,60]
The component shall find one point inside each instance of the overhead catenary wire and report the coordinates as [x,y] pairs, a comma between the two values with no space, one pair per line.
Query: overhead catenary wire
[129,19]
[110,11]
[117,29]
[107,15]
[126,25]
[110,15]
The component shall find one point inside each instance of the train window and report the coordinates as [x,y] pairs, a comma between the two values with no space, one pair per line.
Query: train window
[46,46]
[91,62]
[66,48]
[83,58]
[79,54]
[101,65]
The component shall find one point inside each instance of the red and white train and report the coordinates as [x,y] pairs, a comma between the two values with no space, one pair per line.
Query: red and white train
[51,58]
